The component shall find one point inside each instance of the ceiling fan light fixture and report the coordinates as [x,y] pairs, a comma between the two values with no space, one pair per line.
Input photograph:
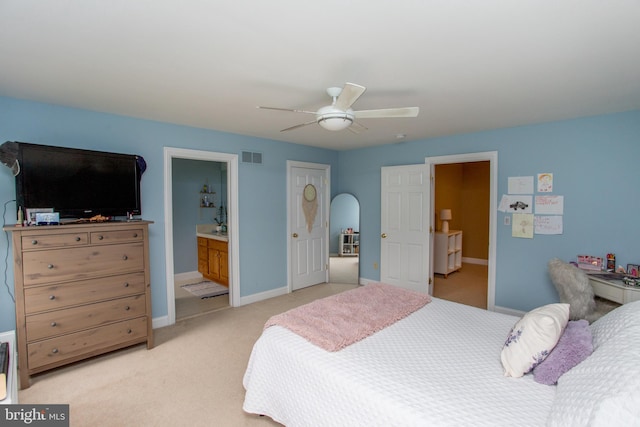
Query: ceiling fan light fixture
[334,119]
[340,122]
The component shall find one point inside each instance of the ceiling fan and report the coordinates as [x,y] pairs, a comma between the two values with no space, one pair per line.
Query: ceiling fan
[339,115]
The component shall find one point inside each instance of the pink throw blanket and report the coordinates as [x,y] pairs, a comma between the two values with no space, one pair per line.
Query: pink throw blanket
[337,321]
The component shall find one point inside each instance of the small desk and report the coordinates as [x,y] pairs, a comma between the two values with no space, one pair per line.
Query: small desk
[613,288]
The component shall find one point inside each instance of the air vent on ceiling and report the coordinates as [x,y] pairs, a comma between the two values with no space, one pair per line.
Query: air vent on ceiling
[251,157]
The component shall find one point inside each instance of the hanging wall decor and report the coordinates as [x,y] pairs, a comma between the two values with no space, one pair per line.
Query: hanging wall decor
[310,204]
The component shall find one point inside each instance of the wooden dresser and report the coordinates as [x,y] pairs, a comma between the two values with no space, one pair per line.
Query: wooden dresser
[81,290]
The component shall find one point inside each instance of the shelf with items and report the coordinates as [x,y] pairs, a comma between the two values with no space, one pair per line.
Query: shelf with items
[447,248]
[207,199]
[349,244]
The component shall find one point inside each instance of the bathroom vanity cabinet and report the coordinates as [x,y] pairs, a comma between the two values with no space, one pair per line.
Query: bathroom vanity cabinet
[213,259]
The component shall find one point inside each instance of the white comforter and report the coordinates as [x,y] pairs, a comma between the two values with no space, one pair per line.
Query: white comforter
[438,367]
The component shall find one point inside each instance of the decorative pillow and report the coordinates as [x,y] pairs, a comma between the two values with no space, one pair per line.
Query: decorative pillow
[603,390]
[612,323]
[532,338]
[573,347]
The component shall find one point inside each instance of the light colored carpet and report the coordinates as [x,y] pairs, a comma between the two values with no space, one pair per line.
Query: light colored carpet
[206,289]
[188,305]
[193,376]
[467,286]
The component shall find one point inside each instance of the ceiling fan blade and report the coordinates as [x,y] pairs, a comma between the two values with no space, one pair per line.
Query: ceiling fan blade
[286,109]
[350,94]
[357,128]
[388,112]
[299,126]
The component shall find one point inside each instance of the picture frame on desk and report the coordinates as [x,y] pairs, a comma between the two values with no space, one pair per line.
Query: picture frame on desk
[31,214]
[633,270]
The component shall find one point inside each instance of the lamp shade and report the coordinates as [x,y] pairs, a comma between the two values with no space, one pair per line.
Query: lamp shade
[445,215]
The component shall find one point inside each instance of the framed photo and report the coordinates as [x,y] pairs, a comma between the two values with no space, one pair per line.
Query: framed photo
[31,214]
[633,270]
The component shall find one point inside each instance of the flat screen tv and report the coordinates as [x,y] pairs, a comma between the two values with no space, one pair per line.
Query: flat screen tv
[78,183]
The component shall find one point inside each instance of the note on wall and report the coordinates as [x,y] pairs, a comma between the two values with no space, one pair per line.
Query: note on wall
[545,182]
[550,205]
[516,204]
[520,185]
[548,224]
[522,225]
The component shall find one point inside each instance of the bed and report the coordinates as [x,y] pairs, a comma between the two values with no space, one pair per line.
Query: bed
[441,366]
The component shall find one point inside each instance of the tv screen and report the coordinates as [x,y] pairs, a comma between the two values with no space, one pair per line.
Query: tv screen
[78,183]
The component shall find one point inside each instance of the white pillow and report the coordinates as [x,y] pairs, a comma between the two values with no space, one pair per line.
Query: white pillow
[532,338]
[612,323]
[603,390]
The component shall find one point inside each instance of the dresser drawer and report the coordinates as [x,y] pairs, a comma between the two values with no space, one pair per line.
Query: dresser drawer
[57,265]
[76,346]
[217,244]
[52,323]
[47,298]
[54,240]
[117,236]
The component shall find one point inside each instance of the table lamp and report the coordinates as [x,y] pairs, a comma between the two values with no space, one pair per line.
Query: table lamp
[445,217]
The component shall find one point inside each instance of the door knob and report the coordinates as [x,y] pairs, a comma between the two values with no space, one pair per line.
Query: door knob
[295,235]
[383,235]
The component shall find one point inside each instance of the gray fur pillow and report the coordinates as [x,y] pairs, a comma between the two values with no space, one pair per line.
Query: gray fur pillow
[573,288]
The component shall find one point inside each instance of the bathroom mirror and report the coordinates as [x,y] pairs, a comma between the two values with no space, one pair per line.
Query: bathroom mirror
[344,237]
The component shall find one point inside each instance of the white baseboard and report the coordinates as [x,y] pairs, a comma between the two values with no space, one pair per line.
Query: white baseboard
[160,322]
[478,261]
[509,311]
[263,295]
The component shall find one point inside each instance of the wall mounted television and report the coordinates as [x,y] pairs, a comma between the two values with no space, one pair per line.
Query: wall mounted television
[78,183]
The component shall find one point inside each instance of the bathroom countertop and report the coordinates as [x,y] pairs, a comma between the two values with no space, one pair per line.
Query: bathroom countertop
[208,231]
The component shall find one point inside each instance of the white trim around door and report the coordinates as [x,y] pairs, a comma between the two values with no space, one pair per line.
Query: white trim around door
[232,202]
[492,158]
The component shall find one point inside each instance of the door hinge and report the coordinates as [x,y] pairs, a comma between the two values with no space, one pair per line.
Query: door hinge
[431,229]
[429,280]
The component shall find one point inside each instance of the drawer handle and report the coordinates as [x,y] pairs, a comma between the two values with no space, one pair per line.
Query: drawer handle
[50,266]
[124,257]
[34,242]
[100,237]
[52,297]
[127,308]
[129,331]
[126,285]
[54,324]
[78,238]
[135,234]
[54,351]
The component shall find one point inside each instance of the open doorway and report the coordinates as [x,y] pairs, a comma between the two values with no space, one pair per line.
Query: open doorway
[225,161]
[344,239]
[200,237]
[464,194]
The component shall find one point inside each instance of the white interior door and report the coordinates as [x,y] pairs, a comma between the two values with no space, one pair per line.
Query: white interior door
[404,223]
[308,224]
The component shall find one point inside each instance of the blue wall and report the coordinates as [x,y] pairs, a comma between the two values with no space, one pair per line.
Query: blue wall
[262,189]
[595,165]
[594,161]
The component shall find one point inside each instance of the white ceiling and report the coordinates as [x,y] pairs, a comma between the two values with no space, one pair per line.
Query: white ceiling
[468,65]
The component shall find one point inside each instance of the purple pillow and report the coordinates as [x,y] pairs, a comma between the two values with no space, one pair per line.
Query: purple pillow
[575,345]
